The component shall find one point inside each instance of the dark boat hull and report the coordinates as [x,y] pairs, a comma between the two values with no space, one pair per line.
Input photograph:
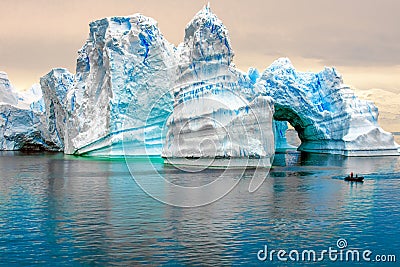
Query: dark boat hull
[354,179]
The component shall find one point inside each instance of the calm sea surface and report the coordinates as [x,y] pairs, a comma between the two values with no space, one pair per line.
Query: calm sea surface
[57,210]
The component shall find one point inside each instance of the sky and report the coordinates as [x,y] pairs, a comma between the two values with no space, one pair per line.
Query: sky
[361,38]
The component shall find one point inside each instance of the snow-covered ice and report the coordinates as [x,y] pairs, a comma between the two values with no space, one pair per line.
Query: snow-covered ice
[120,100]
[325,112]
[217,112]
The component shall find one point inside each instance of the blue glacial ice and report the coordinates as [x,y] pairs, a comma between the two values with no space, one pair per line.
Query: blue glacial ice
[327,115]
[121,99]
[217,111]
[281,142]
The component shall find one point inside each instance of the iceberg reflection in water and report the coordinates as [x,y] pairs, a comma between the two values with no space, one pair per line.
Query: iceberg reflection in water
[60,210]
[209,179]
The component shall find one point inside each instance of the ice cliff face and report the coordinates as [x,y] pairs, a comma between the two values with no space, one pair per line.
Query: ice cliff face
[34,120]
[327,115]
[217,111]
[55,86]
[7,94]
[20,129]
[205,58]
[33,99]
[121,97]
[206,51]
[20,126]
[206,127]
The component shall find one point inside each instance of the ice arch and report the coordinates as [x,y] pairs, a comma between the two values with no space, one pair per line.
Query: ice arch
[325,112]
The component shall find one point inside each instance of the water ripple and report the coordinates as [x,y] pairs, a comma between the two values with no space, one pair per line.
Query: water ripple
[57,211]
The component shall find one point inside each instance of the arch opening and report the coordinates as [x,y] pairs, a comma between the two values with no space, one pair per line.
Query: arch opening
[292,136]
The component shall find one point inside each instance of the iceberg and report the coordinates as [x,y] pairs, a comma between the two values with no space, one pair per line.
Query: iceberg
[20,129]
[32,120]
[7,93]
[32,99]
[55,86]
[218,114]
[20,126]
[134,94]
[121,97]
[325,112]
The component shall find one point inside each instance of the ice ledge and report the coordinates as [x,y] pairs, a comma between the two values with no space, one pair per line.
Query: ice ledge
[346,149]
[221,163]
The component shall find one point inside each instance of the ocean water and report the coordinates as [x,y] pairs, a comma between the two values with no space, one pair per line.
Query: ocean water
[57,210]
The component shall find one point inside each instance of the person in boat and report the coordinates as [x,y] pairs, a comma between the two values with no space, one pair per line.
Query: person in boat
[351,175]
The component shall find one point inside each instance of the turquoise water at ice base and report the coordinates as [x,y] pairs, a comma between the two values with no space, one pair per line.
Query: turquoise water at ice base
[57,210]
